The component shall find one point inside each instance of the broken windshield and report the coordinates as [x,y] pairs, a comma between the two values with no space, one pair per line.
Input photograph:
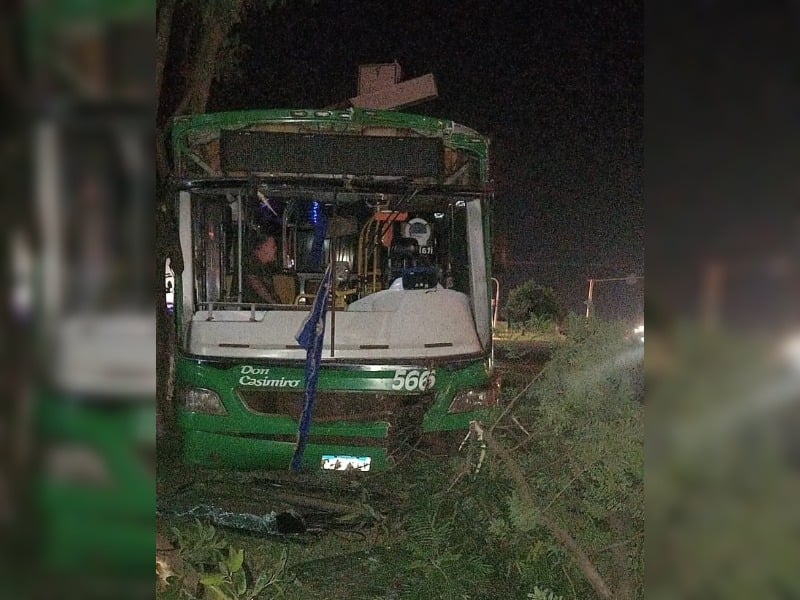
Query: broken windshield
[377,246]
[369,245]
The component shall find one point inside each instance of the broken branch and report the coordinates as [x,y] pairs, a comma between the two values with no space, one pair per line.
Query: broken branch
[560,534]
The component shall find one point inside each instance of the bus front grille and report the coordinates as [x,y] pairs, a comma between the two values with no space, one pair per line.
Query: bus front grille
[404,413]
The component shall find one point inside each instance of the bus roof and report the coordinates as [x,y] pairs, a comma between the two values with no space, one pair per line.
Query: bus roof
[194,135]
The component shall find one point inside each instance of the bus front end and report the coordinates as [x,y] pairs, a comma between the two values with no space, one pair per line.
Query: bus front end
[395,206]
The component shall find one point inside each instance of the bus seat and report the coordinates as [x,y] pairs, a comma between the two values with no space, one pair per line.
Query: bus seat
[285,287]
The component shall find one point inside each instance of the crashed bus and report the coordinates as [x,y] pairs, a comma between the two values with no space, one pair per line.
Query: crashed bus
[396,207]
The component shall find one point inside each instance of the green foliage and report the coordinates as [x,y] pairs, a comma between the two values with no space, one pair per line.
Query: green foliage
[440,563]
[723,479]
[540,324]
[532,306]
[459,542]
[523,518]
[213,569]
[543,594]
[440,542]
[578,437]
[199,545]
[588,449]
[231,582]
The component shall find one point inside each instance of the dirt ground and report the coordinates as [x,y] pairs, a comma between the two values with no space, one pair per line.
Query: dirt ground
[516,361]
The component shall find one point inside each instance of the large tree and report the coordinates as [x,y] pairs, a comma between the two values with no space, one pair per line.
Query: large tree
[193,46]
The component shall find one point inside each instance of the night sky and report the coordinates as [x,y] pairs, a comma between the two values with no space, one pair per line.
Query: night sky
[557,86]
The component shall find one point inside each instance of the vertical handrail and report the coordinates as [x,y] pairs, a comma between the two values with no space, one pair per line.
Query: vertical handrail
[332,291]
[375,256]
[496,301]
[239,248]
[361,259]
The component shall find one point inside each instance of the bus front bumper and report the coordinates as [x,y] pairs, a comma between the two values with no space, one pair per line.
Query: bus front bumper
[210,449]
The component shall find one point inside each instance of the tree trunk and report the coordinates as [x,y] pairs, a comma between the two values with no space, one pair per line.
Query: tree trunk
[163,31]
[215,21]
[203,69]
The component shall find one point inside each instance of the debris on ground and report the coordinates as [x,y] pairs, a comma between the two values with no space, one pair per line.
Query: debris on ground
[275,504]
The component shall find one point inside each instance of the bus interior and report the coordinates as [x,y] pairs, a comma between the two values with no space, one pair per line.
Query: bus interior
[408,267]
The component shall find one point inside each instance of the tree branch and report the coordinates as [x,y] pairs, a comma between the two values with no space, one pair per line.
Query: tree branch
[217,25]
[625,586]
[513,401]
[561,535]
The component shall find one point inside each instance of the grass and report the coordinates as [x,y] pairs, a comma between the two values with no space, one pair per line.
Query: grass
[550,335]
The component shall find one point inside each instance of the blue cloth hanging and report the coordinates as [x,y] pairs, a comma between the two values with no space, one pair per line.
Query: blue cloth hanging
[311,337]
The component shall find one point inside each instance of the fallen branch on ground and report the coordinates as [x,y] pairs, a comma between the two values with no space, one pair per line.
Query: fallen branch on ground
[560,534]
[513,401]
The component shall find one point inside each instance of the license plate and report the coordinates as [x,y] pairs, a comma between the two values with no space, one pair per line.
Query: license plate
[344,463]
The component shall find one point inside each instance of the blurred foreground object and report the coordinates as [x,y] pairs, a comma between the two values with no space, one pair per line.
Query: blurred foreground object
[723,468]
[83,294]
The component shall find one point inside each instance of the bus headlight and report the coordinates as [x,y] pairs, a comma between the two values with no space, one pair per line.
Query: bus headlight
[474,399]
[200,400]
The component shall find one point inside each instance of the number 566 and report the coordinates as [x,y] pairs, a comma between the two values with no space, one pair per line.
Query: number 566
[413,380]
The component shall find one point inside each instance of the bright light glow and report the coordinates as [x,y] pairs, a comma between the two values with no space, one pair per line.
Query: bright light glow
[791,350]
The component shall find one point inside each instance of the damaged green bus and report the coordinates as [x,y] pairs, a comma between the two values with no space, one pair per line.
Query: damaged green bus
[398,205]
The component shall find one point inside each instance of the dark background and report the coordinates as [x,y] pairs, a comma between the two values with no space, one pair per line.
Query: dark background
[557,86]
[723,158]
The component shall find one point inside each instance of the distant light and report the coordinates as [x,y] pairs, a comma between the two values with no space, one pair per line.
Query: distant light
[438,215]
